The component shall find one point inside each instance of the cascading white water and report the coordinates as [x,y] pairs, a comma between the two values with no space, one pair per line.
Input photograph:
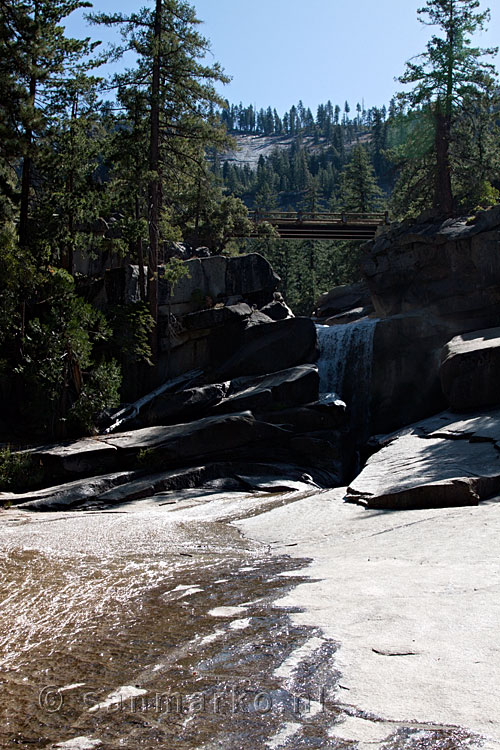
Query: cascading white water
[345,366]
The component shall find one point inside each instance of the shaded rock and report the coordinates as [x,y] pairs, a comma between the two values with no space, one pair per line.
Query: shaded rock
[176,445]
[297,385]
[343,298]
[217,316]
[470,370]
[279,390]
[270,348]
[439,462]
[171,408]
[127,415]
[309,418]
[405,370]
[109,491]
[317,450]
[65,496]
[219,277]
[357,313]
[249,277]
[257,318]
[450,269]
[277,310]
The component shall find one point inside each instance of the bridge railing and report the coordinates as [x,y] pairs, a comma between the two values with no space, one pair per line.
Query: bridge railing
[329,217]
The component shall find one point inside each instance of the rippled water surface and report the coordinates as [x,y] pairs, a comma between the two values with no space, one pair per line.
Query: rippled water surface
[113,625]
[146,630]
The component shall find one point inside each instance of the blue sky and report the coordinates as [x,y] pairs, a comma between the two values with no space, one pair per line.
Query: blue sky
[280,51]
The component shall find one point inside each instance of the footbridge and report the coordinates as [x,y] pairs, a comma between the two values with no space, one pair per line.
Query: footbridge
[304,225]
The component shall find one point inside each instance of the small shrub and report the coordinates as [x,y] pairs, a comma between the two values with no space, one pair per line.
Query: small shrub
[18,471]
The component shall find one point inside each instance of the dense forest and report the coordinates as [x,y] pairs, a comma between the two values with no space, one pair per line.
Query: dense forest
[133,164]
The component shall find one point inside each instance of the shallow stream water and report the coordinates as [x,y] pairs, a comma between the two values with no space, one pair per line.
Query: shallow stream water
[156,629]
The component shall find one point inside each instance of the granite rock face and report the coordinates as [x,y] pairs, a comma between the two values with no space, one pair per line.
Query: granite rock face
[440,462]
[470,370]
[343,299]
[273,347]
[449,269]
[405,384]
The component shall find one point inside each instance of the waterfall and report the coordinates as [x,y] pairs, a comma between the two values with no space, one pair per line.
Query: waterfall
[345,366]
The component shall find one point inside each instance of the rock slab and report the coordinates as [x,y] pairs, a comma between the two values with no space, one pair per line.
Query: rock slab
[470,370]
[438,463]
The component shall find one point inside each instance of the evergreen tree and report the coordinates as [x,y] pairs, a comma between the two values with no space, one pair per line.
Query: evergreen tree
[42,62]
[359,189]
[445,78]
[180,96]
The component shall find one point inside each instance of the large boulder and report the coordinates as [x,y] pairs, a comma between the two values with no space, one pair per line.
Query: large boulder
[208,281]
[341,299]
[211,438]
[218,278]
[470,370]
[273,347]
[277,391]
[386,370]
[274,392]
[405,384]
[439,462]
[449,269]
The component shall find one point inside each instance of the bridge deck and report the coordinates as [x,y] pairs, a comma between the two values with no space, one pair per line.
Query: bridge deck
[321,225]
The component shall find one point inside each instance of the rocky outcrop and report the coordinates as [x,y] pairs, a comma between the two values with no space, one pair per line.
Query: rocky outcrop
[269,348]
[205,433]
[276,391]
[405,384]
[436,463]
[166,487]
[449,269]
[168,446]
[277,309]
[209,281]
[470,370]
[342,299]
[429,281]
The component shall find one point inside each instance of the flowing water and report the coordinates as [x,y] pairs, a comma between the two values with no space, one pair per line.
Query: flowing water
[156,627]
[345,367]
[146,630]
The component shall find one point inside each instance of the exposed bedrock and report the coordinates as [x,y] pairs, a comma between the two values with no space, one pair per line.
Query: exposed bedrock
[430,281]
[470,370]
[442,461]
[449,269]
[183,439]
[342,300]
[405,384]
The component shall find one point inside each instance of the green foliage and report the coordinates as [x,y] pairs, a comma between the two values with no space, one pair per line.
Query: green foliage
[56,364]
[448,81]
[359,190]
[307,269]
[18,470]
[18,277]
[132,325]
[100,391]
[173,271]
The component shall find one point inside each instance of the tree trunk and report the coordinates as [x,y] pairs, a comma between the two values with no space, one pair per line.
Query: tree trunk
[140,254]
[154,185]
[26,174]
[443,196]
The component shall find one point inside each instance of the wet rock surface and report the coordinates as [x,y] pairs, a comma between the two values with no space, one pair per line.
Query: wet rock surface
[174,630]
